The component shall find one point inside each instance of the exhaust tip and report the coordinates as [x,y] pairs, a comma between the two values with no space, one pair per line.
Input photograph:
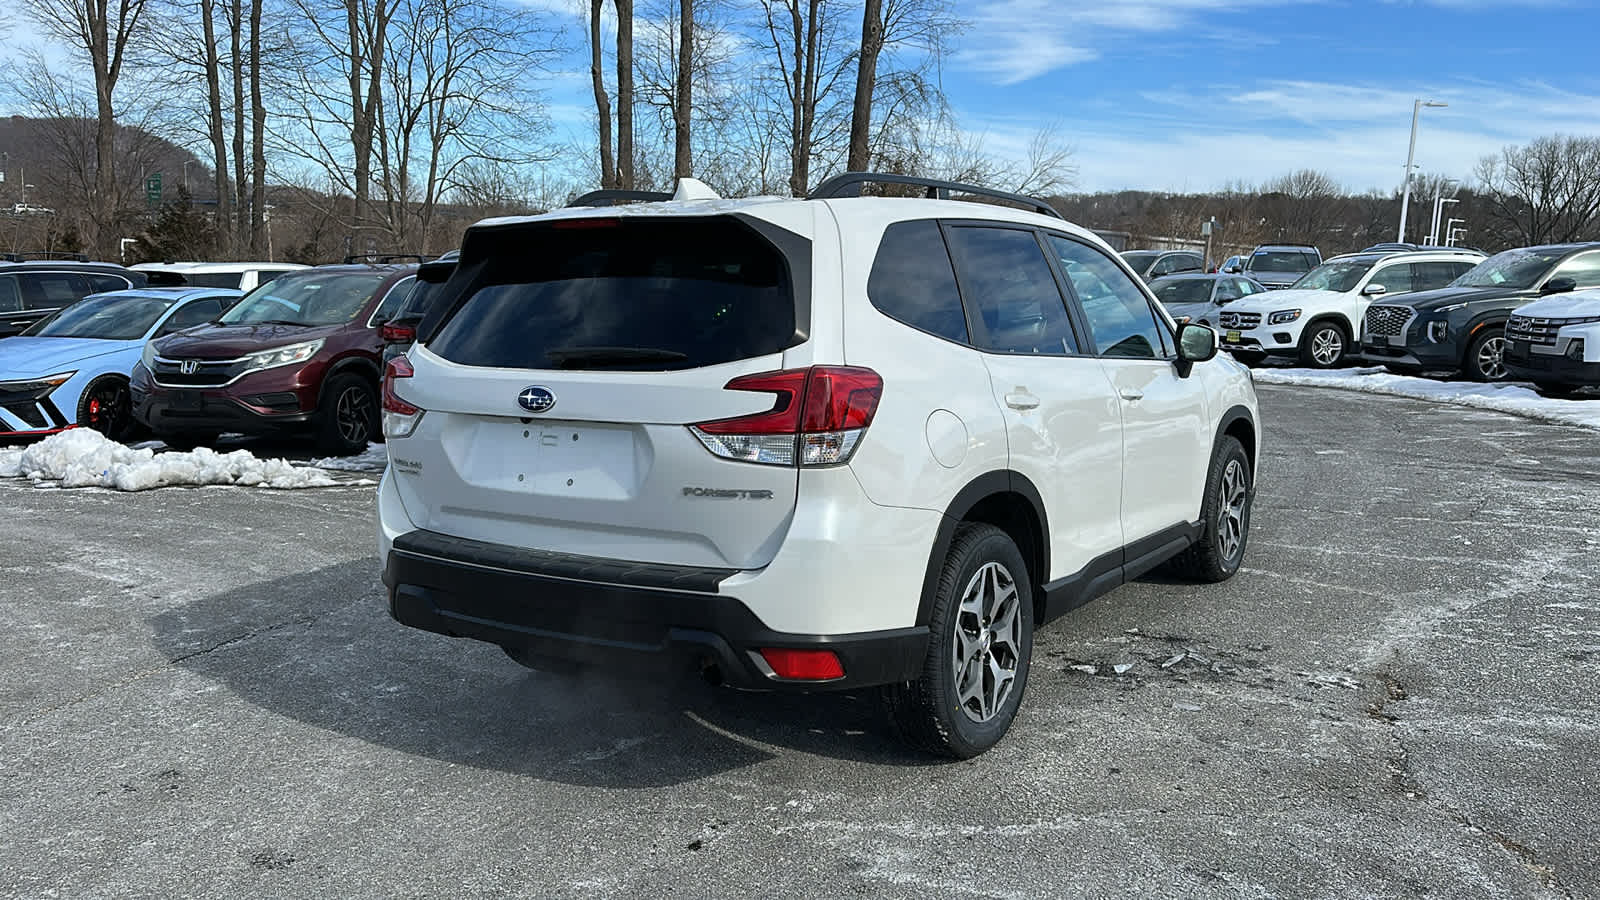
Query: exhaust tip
[710,671]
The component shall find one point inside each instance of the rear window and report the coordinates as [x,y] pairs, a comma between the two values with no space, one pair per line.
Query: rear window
[1280,261]
[229,280]
[630,295]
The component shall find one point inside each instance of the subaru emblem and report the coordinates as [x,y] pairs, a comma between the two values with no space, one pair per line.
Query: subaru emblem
[536,399]
[189,366]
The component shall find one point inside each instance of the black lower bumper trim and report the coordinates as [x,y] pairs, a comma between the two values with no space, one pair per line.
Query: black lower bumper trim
[1549,368]
[624,626]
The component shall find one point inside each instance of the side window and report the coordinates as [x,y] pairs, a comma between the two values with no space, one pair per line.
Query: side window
[1395,278]
[1427,276]
[51,290]
[1007,282]
[1119,316]
[1162,267]
[1187,262]
[1246,287]
[1227,289]
[101,283]
[10,298]
[912,280]
[1583,268]
[196,312]
[391,301]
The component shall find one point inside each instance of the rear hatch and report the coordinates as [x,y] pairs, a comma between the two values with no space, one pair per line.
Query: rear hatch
[562,367]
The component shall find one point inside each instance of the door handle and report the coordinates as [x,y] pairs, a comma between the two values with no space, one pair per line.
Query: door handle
[1130,395]
[22,324]
[1022,400]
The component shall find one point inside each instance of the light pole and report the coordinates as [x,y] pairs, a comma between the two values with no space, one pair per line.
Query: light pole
[1438,212]
[1411,155]
[1450,232]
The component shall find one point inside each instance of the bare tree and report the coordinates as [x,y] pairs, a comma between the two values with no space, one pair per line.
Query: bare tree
[810,56]
[103,30]
[683,104]
[258,129]
[625,94]
[602,102]
[866,80]
[214,114]
[1545,192]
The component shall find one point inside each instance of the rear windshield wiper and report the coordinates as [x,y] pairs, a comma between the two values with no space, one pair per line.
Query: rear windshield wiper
[570,357]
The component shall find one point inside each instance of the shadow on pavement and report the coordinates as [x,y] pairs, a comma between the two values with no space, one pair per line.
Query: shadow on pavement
[320,648]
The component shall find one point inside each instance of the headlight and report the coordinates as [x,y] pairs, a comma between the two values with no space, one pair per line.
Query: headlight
[1283,317]
[282,356]
[36,387]
[1451,308]
[1439,331]
[148,358]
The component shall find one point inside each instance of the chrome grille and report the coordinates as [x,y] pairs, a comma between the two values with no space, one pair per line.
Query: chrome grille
[1239,320]
[1388,321]
[200,372]
[1539,330]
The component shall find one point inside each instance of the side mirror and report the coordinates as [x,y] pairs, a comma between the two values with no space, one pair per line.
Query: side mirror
[1374,290]
[1232,270]
[1559,286]
[1196,343]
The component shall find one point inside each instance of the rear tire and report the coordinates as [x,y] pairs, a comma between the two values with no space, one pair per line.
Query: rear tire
[979,650]
[1324,345]
[347,416]
[187,441]
[1554,389]
[1225,514]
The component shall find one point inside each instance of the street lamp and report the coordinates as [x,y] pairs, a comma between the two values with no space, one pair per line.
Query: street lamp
[1438,211]
[1450,232]
[1411,155]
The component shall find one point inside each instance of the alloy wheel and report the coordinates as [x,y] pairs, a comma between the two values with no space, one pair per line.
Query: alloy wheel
[987,647]
[107,409]
[1231,517]
[353,414]
[1327,345]
[1491,358]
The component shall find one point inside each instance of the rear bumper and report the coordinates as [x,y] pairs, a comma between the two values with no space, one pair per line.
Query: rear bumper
[617,614]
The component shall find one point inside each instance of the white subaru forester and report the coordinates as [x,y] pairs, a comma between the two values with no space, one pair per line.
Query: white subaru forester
[827,443]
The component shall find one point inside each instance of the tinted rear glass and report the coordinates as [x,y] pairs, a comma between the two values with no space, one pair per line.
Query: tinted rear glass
[634,295]
[214,279]
[1280,261]
[912,280]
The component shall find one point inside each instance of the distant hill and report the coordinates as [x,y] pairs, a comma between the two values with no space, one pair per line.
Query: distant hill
[47,152]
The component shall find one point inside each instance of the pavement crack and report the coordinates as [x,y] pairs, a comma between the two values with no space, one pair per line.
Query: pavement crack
[141,674]
[1406,782]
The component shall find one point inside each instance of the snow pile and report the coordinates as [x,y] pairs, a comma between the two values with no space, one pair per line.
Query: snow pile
[81,457]
[373,459]
[1503,397]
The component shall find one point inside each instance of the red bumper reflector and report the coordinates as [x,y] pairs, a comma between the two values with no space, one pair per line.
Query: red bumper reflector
[803,665]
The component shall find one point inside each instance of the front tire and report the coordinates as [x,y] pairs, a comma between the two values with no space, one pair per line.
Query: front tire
[347,417]
[1324,345]
[979,649]
[1225,514]
[1486,356]
[107,407]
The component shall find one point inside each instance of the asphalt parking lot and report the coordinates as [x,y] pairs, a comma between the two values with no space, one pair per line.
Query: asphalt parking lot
[203,695]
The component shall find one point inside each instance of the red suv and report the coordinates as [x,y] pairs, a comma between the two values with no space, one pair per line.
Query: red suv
[298,354]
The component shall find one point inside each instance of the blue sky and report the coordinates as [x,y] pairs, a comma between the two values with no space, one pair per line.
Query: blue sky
[1192,94]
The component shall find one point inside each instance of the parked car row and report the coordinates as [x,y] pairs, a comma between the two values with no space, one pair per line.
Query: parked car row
[300,353]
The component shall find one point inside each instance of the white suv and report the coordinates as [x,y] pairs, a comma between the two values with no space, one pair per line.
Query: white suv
[1554,342]
[834,442]
[1318,319]
[244,276]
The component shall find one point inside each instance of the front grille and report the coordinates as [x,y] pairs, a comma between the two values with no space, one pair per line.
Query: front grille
[1239,320]
[1388,321]
[207,372]
[1539,330]
[27,412]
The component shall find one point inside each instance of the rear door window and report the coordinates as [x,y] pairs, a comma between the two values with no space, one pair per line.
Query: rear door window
[10,297]
[1395,278]
[102,283]
[912,281]
[52,290]
[1007,282]
[633,294]
[195,312]
[1428,276]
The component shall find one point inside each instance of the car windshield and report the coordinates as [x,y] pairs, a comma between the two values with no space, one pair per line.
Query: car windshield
[1511,269]
[1278,261]
[311,298]
[1335,276]
[108,317]
[1182,290]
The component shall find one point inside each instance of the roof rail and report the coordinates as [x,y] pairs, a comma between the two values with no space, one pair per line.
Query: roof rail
[378,259]
[613,197]
[849,184]
[54,255]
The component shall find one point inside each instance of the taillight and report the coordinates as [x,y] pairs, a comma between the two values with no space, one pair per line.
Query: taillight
[817,420]
[399,417]
[397,334]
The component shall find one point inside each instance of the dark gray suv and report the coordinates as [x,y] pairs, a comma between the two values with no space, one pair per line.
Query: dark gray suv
[34,290]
